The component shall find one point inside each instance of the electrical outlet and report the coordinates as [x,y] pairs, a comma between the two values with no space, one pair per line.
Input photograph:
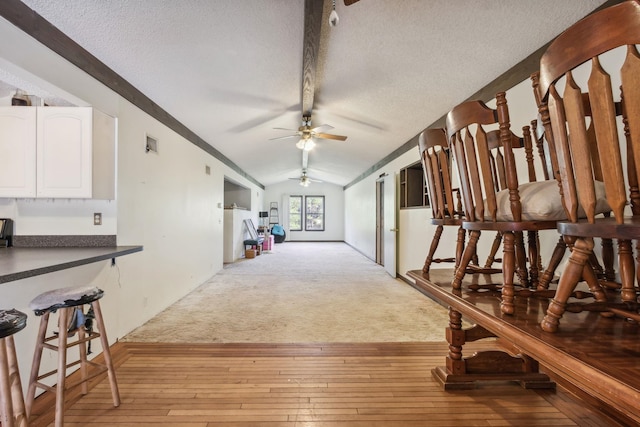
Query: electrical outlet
[97,218]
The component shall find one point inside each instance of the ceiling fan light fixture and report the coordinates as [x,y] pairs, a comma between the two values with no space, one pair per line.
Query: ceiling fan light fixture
[304,181]
[305,144]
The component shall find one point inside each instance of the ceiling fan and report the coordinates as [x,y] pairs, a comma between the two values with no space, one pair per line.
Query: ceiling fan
[306,180]
[306,134]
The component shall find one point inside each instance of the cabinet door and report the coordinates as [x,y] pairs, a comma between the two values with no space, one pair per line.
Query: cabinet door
[18,152]
[64,156]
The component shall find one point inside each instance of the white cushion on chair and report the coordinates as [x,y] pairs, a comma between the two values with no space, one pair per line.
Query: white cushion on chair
[541,202]
[62,297]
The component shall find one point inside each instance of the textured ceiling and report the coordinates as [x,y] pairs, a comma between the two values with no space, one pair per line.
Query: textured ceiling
[231,70]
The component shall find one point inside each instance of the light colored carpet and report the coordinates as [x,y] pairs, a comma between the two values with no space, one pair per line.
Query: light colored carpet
[301,292]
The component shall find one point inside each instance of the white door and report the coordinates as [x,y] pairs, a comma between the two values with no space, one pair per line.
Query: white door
[389,224]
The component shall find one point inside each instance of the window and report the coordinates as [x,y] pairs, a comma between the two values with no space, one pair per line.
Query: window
[295,213]
[314,213]
[413,189]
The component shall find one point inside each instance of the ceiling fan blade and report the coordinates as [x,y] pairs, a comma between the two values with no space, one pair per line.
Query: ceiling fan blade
[254,123]
[329,136]
[284,137]
[290,130]
[350,2]
[322,127]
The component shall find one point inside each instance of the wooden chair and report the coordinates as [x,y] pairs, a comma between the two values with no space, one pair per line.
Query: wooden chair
[603,274]
[564,114]
[492,196]
[446,205]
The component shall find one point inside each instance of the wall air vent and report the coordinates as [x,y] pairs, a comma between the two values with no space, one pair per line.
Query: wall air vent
[151,144]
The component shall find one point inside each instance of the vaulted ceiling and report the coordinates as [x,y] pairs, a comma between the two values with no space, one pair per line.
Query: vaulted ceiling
[232,71]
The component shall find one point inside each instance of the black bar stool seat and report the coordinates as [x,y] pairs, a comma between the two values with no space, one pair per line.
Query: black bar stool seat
[12,408]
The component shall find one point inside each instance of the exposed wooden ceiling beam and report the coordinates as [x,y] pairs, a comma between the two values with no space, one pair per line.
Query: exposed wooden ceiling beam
[311,46]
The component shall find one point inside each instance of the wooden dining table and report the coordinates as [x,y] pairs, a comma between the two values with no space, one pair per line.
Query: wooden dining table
[595,357]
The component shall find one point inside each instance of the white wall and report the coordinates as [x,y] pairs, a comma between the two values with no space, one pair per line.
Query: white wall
[166,202]
[333,202]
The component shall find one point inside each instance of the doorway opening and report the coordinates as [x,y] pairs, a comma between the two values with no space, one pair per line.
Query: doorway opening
[380,221]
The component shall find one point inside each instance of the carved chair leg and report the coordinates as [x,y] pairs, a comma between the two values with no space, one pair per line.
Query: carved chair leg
[554,262]
[607,260]
[520,259]
[474,258]
[606,273]
[467,255]
[534,257]
[540,267]
[462,235]
[627,271]
[589,276]
[595,263]
[508,270]
[497,241]
[579,257]
[432,249]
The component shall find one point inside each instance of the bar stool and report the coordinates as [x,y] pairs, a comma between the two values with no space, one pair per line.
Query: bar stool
[71,319]
[12,410]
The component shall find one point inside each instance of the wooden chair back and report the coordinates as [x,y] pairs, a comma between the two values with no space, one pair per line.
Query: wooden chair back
[485,157]
[436,164]
[524,143]
[590,144]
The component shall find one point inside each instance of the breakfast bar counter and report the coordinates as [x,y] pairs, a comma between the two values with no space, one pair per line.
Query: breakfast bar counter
[22,262]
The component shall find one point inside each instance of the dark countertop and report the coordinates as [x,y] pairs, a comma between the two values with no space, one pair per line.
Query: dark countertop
[21,262]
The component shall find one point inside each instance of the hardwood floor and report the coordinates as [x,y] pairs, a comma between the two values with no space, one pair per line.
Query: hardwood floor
[303,385]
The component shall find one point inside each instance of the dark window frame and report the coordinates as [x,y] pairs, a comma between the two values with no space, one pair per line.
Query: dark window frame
[307,214]
[301,213]
[413,187]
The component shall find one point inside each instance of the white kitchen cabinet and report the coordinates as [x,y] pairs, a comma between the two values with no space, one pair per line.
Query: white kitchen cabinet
[73,155]
[18,151]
